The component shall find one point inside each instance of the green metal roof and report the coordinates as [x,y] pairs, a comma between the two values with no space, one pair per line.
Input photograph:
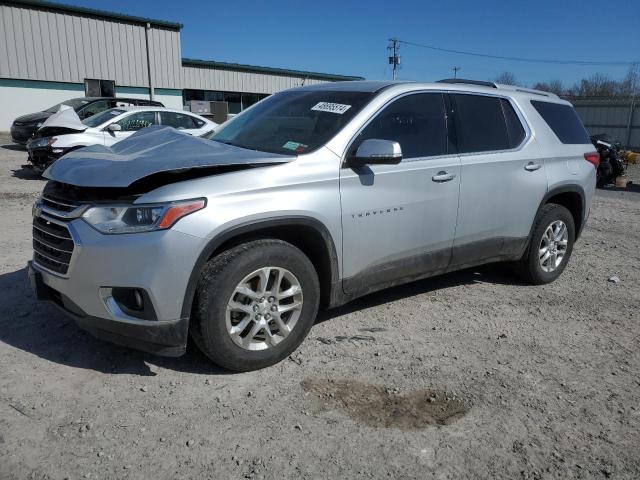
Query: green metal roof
[277,71]
[59,7]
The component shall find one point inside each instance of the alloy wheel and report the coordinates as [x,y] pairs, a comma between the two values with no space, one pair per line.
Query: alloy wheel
[264,308]
[553,246]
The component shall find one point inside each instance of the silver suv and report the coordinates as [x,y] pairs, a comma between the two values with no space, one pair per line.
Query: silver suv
[307,200]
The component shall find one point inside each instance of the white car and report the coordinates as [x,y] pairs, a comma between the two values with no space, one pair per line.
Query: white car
[64,131]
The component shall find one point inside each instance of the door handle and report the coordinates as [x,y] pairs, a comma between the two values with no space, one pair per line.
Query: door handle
[532,167]
[442,177]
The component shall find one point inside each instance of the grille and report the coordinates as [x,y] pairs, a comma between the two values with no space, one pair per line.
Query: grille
[52,242]
[57,204]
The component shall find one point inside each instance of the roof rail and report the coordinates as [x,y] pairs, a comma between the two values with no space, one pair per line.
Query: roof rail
[469,82]
[533,91]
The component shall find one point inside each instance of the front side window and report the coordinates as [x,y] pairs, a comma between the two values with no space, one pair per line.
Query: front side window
[137,121]
[75,103]
[178,121]
[93,108]
[417,122]
[480,123]
[293,122]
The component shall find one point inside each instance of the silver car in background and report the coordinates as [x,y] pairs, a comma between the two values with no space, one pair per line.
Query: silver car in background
[308,199]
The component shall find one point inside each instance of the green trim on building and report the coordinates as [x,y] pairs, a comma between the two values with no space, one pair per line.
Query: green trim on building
[12,82]
[167,91]
[91,12]
[79,87]
[190,62]
[136,90]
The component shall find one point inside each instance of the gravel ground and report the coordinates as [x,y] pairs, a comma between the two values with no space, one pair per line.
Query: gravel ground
[468,375]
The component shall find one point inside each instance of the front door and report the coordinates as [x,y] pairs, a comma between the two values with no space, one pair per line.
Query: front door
[399,220]
[129,125]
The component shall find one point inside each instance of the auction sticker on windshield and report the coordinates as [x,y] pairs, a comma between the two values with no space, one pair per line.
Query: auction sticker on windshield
[295,146]
[338,108]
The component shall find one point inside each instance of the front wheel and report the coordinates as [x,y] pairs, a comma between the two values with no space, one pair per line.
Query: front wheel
[550,245]
[255,303]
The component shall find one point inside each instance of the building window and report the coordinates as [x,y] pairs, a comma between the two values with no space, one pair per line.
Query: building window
[249,99]
[99,88]
[234,100]
[237,101]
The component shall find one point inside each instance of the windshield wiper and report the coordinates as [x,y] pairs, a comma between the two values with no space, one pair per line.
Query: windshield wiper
[246,147]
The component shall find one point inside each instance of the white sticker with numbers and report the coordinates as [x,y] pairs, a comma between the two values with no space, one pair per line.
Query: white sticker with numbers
[338,108]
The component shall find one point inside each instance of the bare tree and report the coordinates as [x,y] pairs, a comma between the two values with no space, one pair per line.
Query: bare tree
[598,85]
[554,86]
[631,82]
[506,78]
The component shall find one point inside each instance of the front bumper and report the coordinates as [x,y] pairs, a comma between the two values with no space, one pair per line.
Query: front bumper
[41,157]
[167,338]
[160,263]
[22,133]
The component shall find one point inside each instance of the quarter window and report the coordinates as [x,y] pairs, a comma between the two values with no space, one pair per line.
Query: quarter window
[417,122]
[137,121]
[480,123]
[564,122]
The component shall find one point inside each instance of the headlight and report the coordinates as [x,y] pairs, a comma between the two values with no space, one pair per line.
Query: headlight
[39,124]
[114,219]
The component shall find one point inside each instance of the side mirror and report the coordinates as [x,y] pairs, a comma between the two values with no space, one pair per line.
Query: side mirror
[374,151]
[114,127]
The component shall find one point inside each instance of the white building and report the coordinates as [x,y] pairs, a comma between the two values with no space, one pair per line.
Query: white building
[52,52]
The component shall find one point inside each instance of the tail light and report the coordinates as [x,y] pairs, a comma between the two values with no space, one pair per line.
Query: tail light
[593,158]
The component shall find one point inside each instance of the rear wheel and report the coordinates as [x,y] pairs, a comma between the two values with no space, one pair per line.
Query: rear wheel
[550,246]
[255,304]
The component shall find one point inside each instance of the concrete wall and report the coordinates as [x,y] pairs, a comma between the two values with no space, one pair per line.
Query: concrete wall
[21,97]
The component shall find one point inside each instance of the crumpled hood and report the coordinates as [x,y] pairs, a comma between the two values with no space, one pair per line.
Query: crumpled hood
[65,118]
[154,149]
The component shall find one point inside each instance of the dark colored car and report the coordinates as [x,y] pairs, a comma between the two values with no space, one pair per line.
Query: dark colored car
[25,126]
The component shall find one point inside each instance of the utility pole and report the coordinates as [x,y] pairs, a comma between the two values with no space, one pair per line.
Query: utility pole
[394,58]
[455,71]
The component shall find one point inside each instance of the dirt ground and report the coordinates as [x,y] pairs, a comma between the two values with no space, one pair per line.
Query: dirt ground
[468,375]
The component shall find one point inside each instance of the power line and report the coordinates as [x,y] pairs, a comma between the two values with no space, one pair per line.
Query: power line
[518,59]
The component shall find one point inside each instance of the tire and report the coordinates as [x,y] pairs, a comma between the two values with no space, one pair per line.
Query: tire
[530,267]
[212,320]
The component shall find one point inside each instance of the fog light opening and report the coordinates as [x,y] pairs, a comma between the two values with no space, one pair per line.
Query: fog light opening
[134,302]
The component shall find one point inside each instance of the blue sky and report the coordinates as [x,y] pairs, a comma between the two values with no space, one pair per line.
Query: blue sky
[350,37]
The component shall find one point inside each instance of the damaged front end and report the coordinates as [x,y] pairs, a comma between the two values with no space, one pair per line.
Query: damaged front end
[155,154]
[42,149]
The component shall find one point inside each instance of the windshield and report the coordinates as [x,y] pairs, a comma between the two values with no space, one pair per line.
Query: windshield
[102,117]
[75,103]
[293,122]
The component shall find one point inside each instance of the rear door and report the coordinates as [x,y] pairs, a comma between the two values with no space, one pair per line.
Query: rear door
[399,220]
[502,182]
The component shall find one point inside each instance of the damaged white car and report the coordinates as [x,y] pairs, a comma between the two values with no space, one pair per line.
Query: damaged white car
[64,131]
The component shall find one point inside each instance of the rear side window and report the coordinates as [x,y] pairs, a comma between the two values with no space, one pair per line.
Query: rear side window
[417,122]
[480,124]
[179,121]
[564,122]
